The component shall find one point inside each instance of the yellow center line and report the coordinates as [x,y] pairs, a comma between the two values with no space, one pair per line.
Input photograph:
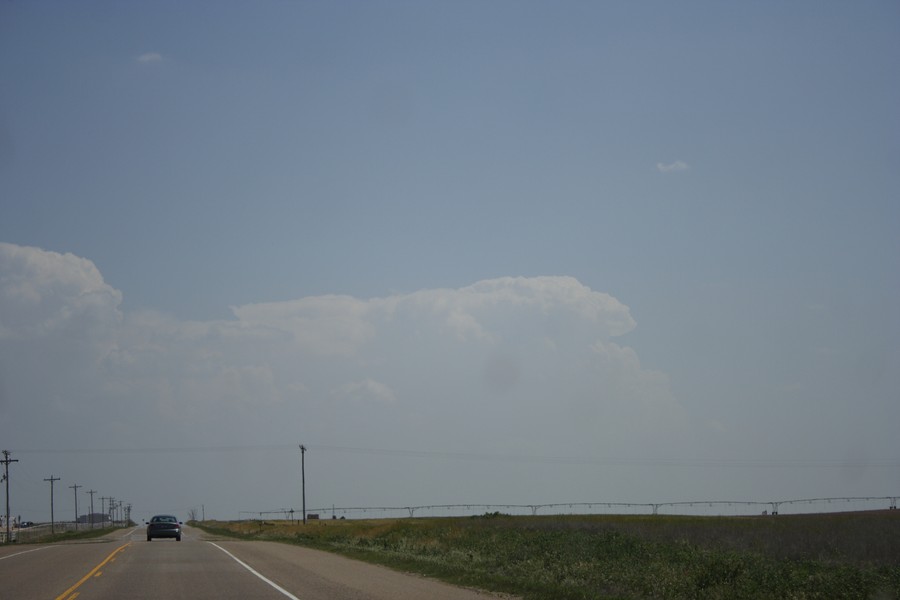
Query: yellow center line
[66,593]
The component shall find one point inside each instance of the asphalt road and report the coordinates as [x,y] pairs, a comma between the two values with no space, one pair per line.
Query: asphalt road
[124,566]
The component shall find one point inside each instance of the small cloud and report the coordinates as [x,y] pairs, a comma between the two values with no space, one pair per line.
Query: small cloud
[150,57]
[678,165]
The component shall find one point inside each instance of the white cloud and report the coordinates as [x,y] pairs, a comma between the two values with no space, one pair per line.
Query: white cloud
[414,346]
[150,57]
[323,325]
[678,165]
[525,363]
[484,309]
[51,295]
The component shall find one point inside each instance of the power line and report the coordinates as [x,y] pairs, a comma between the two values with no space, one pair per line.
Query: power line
[157,450]
[616,461]
[75,487]
[52,479]
[607,461]
[103,500]
[303,478]
[92,492]
[6,462]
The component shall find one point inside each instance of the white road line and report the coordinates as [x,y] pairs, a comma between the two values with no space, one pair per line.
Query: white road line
[24,552]
[249,568]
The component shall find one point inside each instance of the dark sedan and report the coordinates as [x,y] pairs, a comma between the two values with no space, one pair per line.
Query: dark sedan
[164,526]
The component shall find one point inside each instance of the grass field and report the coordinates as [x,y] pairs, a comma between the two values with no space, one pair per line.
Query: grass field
[844,555]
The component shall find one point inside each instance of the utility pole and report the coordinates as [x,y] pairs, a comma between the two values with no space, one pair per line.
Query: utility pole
[51,479]
[75,487]
[112,514]
[92,492]
[103,500]
[303,478]
[6,460]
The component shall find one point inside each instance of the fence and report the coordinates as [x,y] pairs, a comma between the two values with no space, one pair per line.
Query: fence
[42,530]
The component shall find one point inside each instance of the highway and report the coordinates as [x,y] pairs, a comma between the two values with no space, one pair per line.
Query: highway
[124,566]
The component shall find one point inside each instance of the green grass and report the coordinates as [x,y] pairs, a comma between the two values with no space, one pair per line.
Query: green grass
[855,555]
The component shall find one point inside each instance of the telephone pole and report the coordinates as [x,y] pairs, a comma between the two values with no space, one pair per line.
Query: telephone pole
[303,478]
[75,487]
[51,479]
[103,500]
[6,461]
[92,492]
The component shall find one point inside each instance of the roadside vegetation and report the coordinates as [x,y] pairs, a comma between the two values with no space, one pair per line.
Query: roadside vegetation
[848,555]
[45,537]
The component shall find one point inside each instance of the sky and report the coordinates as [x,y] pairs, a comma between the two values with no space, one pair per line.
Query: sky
[464,252]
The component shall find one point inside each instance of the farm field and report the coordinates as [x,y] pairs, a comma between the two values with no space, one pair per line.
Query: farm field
[841,555]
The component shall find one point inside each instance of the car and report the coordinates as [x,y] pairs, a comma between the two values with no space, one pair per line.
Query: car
[164,526]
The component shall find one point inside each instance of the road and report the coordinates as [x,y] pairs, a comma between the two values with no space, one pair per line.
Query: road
[124,566]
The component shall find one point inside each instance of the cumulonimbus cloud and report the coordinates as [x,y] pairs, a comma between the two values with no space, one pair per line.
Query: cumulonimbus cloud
[540,348]
[48,295]
[512,364]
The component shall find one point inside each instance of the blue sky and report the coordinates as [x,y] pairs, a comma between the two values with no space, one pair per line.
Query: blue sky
[392,179]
